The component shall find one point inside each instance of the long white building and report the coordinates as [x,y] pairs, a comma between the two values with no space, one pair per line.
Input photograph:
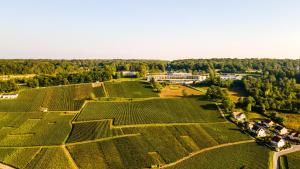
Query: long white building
[177,78]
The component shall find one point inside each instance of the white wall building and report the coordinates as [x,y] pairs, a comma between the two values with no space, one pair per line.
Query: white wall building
[230,77]
[179,78]
[277,142]
[9,96]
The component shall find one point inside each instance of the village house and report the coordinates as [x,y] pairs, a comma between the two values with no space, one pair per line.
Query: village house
[230,77]
[268,123]
[9,96]
[177,78]
[258,130]
[277,142]
[294,136]
[241,117]
[281,130]
[128,73]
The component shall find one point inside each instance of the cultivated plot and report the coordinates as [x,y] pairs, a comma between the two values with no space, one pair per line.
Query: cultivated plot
[152,111]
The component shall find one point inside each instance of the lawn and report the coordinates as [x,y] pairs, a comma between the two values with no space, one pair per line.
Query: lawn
[129,89]
[178,91]
[248,155]
[177,110]
[291,120]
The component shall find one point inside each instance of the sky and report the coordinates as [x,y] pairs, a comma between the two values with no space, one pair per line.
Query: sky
[149,29]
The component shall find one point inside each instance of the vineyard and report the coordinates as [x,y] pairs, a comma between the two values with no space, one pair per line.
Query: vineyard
[62,98]
[83,130]
[248,155]
[292,161]
[92,130]
[152,111]
[25,129]
[129,89]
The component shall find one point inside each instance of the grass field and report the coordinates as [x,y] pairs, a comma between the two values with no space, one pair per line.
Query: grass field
[152,111]
[291,120]
[249,155]
[129,89]
[178,91]
[61,98]
[293,160]
[27,129]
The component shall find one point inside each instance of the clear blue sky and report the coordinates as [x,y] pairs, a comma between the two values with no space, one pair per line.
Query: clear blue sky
[150,29]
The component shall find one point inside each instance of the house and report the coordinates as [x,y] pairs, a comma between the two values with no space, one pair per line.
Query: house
[239,116]
[129,73]
[294,136]
[44,109]
[268,123]
[259,130]
[277,142]
[177,78]
[230,77]
[281,130]
[9,96]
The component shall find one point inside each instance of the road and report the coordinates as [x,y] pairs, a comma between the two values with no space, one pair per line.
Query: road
[3,166]
[294,148]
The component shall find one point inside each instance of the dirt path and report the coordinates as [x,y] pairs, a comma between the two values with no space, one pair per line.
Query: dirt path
[276,155]
[67,153]
[3,166]
[204,150]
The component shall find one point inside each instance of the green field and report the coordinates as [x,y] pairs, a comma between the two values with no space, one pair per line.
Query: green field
[129,89]
[292,161]
[61,98]
[28,129]
[249,155]
[152,111]
[119,133]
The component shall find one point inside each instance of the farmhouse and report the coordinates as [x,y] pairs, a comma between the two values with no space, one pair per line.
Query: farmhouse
[239,116]
[268,123]
[177,78]
[294,136]
[259,131]
[9,96]
[128,73]
[281,130]
[230,77]
[277,142]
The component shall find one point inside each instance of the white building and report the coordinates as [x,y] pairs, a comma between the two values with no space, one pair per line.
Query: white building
[9,96]
[177,78]
[259,131]
[281,130]
[239,116]
[277,142]
[128,73]
[230,77]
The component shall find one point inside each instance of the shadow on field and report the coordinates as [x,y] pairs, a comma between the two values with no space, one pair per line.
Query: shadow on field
[209,107]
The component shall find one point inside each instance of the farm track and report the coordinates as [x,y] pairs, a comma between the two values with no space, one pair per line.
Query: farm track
[3,166]
[146,125]
[68,155]
[204,150]
[276,155]
[75,143]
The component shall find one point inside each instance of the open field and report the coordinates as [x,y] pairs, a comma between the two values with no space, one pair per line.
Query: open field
[27,129]
[292,160]
[236,93]
[248,155]
[178,91]
[291,120]
[129,89]
[61,98]
[152,111]
[9,77]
